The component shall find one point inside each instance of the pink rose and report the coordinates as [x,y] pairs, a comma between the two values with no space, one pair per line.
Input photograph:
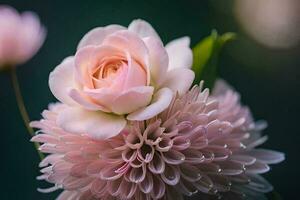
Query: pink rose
[20,36]
[120,74]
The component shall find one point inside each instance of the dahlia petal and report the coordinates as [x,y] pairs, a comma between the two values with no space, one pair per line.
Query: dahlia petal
[127,190]
[146,185]
[72,183]
[143,29]
[146,153]
[181,143]
[161,100]
[179,80]
[221,183]
[193,156]
[243,159]
[61,80]
[141,96]
[171,175]
[137,175]
[97,125]
[74,157]
[186,188]
[87,195]
[257,168]
[205,184]
[114,187]
[231,168]
[79,170]
[111,155]
[157,166]
[190,172]
[158,60]
[97,35]
[256,142]
[109,173]
[68,195]
[259,184]
[98,187]
[164,145]
[95,167]
[267,156]
[158,188]
[220,153]
[241,178]
[180,54]
[50,159]
[210,168]
[173,157]
[43,138]
[134,140]
[129,155]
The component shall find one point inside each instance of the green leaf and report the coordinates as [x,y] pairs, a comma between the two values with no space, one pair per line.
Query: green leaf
[206,54]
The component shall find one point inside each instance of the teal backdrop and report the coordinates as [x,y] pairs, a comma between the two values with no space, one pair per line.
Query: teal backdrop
[267,79]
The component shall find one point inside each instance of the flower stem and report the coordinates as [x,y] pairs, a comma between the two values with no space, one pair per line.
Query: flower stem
[22,108]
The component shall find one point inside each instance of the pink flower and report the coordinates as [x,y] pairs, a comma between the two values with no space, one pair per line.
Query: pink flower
[200,144]
[119,73]
[20,36]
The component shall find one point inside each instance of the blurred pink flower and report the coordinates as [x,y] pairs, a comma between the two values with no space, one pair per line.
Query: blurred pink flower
[200,144]
[21,36]
[119,74]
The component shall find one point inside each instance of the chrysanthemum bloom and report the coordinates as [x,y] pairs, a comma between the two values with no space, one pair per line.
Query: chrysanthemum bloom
[21,35]
[198,144]
[119,74]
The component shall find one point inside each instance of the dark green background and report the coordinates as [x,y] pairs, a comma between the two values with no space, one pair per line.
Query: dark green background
[267,79]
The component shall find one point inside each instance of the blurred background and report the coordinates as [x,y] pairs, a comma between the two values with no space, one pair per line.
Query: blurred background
[263,64]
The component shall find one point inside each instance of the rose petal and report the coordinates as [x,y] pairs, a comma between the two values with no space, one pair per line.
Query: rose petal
[179,80]
[143,29]
[61,80]
[132,100]
[85,101]
[161,100]
[97,35]
[130,42]
[88,57]
[135,75]
[180,53]
[159,59]
[98,125]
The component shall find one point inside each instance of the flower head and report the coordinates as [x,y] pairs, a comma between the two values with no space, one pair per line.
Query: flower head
[200,144]
[120,74]
[21,35]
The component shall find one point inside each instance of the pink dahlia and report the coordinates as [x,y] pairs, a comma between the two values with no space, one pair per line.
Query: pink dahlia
[200,144]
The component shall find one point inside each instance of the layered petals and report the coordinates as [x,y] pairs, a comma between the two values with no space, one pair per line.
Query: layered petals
[180,53]
[158,58]
[61,81]
[124,72]
[179,80]
[97,125]
[161,100]
[143,29]
[141,96]
[97,35]
[192,145]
